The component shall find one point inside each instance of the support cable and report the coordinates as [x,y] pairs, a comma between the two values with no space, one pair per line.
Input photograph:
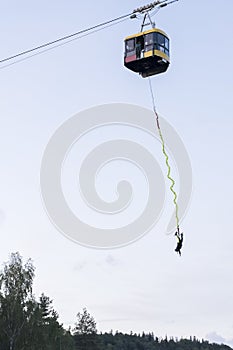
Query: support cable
[21,59]
[64,38]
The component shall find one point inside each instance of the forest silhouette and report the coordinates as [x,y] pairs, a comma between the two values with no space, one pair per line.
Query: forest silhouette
[30,324]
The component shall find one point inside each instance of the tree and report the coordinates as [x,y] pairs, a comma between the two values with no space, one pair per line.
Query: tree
[86,324]
[85,331]
[47,332]
[16,299]
[26,324]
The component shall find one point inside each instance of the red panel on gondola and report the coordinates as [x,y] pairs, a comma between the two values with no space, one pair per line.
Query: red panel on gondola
[130,58]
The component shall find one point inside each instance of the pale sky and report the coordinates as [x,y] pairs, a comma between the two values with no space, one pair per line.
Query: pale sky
[144,286]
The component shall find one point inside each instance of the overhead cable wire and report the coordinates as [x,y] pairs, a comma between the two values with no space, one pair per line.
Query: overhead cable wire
[61,44]
[22,53]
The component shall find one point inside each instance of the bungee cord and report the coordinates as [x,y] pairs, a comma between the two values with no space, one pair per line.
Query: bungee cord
[166,157]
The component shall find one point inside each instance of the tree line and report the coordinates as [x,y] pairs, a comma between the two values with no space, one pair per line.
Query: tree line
[30,324]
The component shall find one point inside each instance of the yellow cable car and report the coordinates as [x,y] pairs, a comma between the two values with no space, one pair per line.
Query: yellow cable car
[147,53]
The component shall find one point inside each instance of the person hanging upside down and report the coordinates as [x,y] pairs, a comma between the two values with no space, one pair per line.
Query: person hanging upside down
[180,241]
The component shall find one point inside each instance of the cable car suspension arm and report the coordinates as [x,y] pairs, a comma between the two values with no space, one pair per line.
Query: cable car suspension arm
[147,8]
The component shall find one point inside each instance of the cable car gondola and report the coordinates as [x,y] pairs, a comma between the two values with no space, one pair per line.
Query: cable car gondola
[147,53]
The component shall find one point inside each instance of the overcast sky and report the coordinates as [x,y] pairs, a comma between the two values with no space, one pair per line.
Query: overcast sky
[145,285]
